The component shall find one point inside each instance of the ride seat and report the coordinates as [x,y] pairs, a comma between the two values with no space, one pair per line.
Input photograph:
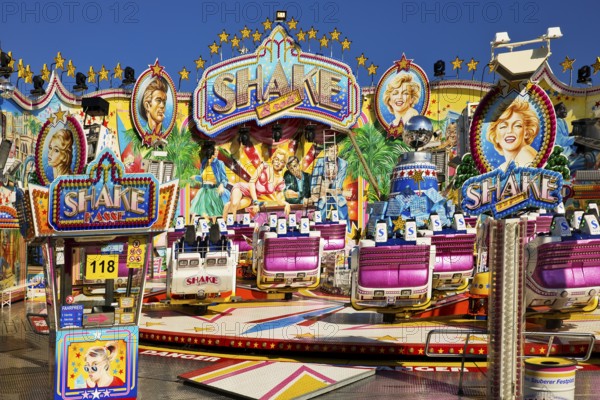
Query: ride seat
[334,236]
[393,266]
[568,265]
[288,254]
[453,252]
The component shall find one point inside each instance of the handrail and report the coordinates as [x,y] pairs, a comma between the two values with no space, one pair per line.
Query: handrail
[552,335]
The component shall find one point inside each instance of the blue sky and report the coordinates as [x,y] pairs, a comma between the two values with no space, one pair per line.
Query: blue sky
[135,33]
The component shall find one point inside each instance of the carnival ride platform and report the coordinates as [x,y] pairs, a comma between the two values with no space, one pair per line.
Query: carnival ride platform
[323,325]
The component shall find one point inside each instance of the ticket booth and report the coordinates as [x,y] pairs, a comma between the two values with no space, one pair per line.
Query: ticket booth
[96,231]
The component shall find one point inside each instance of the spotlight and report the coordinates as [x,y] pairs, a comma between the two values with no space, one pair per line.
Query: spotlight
[277,132]
[244,137]
[5,60]
[500,38]
[280,16]
[129,76]
[439,68]
[309,133]
[584,75]
[38,86]
[80,79]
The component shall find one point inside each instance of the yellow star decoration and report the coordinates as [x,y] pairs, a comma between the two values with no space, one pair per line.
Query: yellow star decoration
[245,32]
[103,74]
[118,71]
[418,176]
[361,60]
[184,74]
[235,42]
[224,37]
[91,75]
[596,65]
[59,114]
[457,63]
[214,48]
[567,64]
[472,65]
[71,69]
[45,73]
[28,75]
[60,61]
[301,35]
[20,69]
[403,64]
[256,36]
[199,62]
[372,69]
[156,68]
[346,44]
[491,67]
[399,224]
[324,42]
[335,35]
[312,33]
[357,234]
[267,24]
[11,63]
[292,24]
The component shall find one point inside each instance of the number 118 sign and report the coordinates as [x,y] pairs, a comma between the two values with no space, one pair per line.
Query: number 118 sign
[102,266]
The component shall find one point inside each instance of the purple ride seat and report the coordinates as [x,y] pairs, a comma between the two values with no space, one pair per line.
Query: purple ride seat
[453,252]
[334,235]
[286,254]
[568,265]
[393,266]
[238,237]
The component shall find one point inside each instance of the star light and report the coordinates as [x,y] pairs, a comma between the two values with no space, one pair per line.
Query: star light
[71,69]
[361,60]
[472,65]
[372,69]
[301,35]
[103,74]
[60,61]
[335,35]
[245,32]
[292,23]
[200,62]
[457,63]
[224,37]
[91,75]
[567,64]
[312,33]
[45,73]
[346,44]
[214,48]
[324,42]
[256,36]
[267,24]
[184,74]
[28,75]
[118,72]
[596,65]
[235,42]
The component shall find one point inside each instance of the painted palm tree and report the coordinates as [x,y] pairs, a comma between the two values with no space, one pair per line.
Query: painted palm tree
[34,125]
[381,156]
[183,152]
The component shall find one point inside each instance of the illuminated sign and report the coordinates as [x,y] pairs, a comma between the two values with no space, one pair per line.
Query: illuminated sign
[278,80]
[504,192]
[105,198]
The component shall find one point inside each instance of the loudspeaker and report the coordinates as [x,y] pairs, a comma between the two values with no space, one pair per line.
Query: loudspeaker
[95,106]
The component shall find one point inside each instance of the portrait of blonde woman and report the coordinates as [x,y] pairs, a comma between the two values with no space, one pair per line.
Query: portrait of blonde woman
[60,153]
[400,97]
[513,132]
